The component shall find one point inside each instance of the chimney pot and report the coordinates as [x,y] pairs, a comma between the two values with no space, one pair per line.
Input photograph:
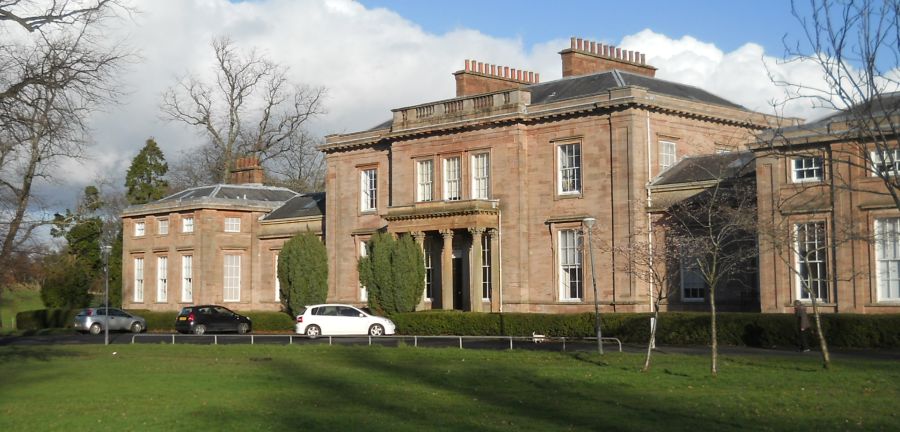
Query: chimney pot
[643,60]
[619,53]
[606,50]
[580,42]
[467,65]
[505,71]
[572,42]
[537,78]
[593,47]
[494,70]
[531,77]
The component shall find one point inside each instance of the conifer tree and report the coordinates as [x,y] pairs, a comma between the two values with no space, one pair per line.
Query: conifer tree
[303,272]
[145,178]
[393,273]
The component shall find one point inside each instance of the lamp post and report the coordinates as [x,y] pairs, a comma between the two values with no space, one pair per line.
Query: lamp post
[588,223]
[104,250]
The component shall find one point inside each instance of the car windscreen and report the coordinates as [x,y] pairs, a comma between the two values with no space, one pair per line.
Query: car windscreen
[185,311]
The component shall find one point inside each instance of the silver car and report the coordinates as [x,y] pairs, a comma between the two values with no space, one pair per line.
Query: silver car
[94,319]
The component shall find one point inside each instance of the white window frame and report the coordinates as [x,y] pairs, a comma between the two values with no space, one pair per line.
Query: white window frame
[486,268]
[880,160]
[162,279]
[162,227]
[277,281]
[802,241]
[187,224]
[233,224]
[140,229]
[887,259]
[568,172]
[807,169]
[425,180]
[363,251]
[668,154]
[428,293]
[481,176]
[368,190]
[139,279]
[187,278]
[569,258]
[452,178]
[692,282]
[231,286]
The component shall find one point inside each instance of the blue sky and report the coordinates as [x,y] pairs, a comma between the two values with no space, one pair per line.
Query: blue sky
[727,23]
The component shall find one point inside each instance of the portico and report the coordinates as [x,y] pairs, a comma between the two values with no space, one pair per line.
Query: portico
[458,240]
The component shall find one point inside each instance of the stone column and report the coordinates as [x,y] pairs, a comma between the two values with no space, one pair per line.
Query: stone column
[476,277]
[447,270]
[494,237]
[419,236]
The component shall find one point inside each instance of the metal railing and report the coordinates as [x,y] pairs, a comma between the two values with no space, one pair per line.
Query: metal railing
[399,338]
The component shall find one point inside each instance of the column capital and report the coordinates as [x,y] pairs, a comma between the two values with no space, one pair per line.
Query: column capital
[418,235]
[490,232]
[447,233]
[476,231]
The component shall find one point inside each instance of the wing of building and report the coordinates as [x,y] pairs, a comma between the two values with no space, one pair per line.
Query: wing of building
[214,244]
[495,182]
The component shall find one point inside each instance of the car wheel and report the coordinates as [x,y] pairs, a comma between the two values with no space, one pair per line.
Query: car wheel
[376,330]
[313,331]
[199,329]
[96,328]
[136,327]
[243,328]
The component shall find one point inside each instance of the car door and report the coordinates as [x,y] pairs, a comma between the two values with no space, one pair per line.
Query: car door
[351,321]
[226,319]
[328,320]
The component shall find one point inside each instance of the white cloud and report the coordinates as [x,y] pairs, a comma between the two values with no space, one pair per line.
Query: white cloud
[371,60]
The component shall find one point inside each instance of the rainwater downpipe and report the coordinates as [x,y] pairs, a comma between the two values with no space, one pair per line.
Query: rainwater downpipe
[500,257]
[649,215]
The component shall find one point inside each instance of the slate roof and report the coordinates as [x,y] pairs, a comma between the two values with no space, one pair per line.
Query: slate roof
[311,204]
[708,167]
[887,104]
[587,85]
[244,192]
[597,83]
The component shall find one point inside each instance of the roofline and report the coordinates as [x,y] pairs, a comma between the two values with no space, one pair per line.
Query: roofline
[614,98]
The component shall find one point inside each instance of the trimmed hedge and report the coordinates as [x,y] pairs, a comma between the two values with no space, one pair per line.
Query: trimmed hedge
[156,321]
[675,328]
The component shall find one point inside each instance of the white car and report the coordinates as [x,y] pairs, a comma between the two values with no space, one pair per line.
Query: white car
[340,319]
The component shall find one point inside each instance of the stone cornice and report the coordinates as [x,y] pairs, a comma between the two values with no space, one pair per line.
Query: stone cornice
[517,112]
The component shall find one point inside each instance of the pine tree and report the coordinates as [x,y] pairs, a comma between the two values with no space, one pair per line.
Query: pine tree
[303,272]
[144,181]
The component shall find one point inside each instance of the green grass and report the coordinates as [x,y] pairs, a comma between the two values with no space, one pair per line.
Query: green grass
[17,300]
[163,387]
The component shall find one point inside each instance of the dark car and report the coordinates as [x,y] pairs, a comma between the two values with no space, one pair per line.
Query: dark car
[211,318]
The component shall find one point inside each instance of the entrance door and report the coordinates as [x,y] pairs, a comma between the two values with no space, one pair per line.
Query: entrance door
[457,284]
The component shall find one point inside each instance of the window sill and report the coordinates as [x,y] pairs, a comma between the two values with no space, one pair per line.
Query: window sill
[804,181]
[570,195]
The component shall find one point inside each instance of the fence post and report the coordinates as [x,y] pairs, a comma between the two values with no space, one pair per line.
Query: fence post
[564,343]
[251,339]
[173,338]
[416,341]
[510,343]
[460,342]
[215,339]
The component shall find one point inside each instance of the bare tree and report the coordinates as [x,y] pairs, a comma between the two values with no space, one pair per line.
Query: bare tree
[51,79]
[856,47]
[250,108]
[716,229]
[652,259]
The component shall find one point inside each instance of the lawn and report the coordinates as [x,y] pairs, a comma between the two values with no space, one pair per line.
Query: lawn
[183,387]
[17,300]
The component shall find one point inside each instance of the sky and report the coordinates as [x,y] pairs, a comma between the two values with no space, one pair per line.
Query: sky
[375,55]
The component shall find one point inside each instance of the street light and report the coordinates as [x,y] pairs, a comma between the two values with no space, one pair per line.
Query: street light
[589,223]
[105,249]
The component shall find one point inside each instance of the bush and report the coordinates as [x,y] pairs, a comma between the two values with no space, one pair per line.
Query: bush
[393,272]
[45,318]
[675,328]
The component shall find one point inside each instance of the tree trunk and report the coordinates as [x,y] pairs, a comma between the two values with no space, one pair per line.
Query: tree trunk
[650,342]
[714,351]
[823,344]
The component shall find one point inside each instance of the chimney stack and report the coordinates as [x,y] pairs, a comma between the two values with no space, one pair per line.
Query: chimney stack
[477,78]
[247,170]
[585,57]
